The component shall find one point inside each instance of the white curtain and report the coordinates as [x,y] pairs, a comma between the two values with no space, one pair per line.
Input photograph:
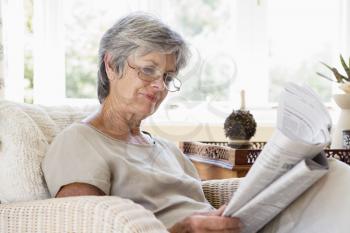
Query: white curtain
[1,59]
[345,25]
[12,12]
[49,73]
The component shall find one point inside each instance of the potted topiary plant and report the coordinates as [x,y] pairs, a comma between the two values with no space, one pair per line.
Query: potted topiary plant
[342,100]
[240,127]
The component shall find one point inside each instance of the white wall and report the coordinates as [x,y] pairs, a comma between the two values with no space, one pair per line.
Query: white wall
[201,132]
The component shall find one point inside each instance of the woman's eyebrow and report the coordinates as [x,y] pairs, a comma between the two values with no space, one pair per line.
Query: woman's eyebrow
[154,62]
[157,65]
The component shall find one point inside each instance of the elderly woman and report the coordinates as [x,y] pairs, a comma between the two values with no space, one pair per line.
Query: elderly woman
[108,154]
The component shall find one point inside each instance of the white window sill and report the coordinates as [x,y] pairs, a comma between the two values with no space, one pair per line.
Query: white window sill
[201,124]
[202,121]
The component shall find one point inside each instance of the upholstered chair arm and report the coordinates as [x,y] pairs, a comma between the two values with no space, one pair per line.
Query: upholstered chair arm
[78,214]
[219,192]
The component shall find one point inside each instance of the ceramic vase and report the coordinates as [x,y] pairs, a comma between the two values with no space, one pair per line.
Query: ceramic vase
[343,123]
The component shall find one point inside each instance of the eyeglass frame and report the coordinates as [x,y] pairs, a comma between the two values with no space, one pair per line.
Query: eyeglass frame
[139,71]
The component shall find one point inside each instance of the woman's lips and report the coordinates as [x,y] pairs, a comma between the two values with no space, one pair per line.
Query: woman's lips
[150,97]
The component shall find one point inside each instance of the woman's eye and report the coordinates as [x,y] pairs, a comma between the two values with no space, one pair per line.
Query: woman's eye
[168,79]
[148,71]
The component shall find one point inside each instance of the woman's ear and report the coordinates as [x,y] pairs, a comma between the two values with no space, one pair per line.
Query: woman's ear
[111,73]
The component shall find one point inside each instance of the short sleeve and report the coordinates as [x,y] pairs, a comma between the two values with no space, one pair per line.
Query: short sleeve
[185,162]
[189,167]
[71,158]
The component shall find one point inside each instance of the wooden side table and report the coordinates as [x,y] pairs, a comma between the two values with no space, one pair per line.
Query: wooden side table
[213,172]
[215,160]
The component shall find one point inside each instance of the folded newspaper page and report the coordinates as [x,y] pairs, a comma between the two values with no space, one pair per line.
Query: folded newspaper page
[291,161]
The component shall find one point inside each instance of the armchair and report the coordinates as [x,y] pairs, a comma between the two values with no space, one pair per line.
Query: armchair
[25,133]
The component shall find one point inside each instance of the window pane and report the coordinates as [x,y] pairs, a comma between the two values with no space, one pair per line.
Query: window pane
[209,27]
[206,25]
[301,34]
[82,30]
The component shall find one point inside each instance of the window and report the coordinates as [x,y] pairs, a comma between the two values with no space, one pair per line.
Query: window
[256,45]
[300,35]
[207,22]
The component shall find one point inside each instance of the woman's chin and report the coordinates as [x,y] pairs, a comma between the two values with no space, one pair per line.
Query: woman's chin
[147,111]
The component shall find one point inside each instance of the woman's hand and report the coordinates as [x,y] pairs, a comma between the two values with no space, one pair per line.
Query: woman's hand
[208,222]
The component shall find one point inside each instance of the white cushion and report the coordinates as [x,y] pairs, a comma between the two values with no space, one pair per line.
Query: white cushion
[25,133]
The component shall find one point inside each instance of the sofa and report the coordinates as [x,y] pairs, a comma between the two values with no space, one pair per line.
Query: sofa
[26,131]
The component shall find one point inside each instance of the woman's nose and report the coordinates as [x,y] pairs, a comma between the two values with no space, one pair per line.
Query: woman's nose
[159,84]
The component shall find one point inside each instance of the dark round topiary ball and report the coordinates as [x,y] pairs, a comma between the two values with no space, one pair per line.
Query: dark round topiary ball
[240,125]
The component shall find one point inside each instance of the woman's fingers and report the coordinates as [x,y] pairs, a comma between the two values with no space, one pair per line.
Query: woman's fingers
[219,211]
[226,231]
[214,223]
[222,223]
[210,222]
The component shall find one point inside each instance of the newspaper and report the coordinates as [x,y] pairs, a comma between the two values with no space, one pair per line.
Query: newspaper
[291,161]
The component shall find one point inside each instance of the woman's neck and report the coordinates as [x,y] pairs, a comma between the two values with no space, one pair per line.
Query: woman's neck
[114,121]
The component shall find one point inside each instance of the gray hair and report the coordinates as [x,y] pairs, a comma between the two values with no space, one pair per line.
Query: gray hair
[133,32]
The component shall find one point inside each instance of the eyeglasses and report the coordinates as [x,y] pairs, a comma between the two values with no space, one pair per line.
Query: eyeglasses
[150,74]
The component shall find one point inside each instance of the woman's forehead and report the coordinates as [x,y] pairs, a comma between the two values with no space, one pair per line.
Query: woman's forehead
[157,59]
